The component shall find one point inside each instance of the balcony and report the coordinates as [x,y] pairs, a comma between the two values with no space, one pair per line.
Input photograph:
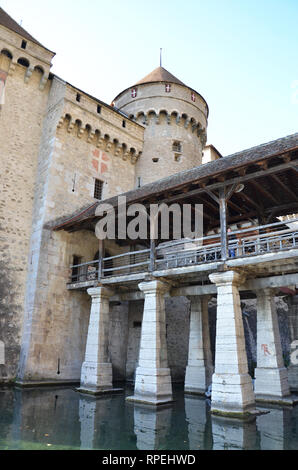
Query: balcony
[243,244]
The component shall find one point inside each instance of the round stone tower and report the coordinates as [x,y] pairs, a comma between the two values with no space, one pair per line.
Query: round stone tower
[175,119]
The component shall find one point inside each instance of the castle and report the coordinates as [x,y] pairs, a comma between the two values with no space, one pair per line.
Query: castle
[62,152]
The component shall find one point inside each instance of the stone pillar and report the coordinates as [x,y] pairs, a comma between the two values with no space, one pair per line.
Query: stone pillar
[96,375]
[293,326]
[232,389]
[153,383]
[271,374]
[199,370]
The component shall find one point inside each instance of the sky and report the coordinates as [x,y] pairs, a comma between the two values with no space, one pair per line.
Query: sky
[240,55]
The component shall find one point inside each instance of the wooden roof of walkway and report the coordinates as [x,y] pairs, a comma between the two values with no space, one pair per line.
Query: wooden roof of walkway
[268,173]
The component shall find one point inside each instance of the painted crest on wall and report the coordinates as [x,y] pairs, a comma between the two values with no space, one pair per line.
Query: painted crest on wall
[100,161]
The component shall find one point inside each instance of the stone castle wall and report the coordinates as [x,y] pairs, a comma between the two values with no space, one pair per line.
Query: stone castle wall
[21,119]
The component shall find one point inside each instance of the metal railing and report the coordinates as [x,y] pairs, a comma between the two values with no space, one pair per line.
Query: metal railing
[126,263]
[252,241]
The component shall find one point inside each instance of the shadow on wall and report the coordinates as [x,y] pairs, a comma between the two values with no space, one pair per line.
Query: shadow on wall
[9,320]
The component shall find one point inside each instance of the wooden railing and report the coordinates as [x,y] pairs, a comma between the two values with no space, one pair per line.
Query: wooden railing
[252,241]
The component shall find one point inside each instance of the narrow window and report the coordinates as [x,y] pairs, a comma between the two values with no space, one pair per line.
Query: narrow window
[168,88]
[139,182]
[75,275]
[24,44]
[177,146]
[78,98]
[98,109]
[124,124]
[98,187]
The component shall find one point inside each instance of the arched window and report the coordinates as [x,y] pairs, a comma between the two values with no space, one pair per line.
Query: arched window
[6,53]
[24,62]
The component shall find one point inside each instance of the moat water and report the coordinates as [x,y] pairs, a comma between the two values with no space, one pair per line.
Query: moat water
[61,419]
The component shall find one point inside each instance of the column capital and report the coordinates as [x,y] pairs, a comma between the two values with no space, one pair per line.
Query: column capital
[153,286]
[266,292]
[96,292]
[227,278]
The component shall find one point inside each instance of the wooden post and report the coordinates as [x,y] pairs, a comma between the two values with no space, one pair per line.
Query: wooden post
[152,255]
[100,260]
[223,224]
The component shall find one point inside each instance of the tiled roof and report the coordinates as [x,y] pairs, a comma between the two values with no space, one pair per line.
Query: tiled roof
[10,23]
[160,75]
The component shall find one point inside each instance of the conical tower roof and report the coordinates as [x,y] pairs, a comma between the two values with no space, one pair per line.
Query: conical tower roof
[10,23]
[160,75]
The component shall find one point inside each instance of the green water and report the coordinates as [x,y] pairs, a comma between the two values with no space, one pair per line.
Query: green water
[61,418]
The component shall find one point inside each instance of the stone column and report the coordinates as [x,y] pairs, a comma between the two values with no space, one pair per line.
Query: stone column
[199,370]
[293,326]
[153,383]
[271,374]
[232,389]
[96,375]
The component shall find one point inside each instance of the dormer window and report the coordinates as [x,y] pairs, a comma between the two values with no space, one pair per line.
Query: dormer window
[24,44]
[168,88]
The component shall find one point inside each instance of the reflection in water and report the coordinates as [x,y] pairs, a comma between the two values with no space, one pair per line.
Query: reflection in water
[151,427]
[199,430]
[61,418]
[89,411]
[274,428]
[232,434]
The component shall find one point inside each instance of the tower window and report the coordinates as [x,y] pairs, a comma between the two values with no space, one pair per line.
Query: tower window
[24,44]
[98,109]
[168,88]
[177,146]
[139,182]
[78,97]
[124,124]
[98,187]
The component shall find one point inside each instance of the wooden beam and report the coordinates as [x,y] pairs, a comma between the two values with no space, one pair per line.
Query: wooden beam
[241,179]
[284,186]
[223,224]
[263,191]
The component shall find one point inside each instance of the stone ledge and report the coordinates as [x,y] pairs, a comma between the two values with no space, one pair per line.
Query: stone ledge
[98,392]
[148,401]
[49,383]
[283,401]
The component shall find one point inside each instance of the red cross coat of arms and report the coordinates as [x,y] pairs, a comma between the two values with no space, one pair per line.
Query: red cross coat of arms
[100,161]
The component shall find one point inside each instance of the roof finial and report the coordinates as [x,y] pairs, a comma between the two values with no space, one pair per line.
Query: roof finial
[161,57]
